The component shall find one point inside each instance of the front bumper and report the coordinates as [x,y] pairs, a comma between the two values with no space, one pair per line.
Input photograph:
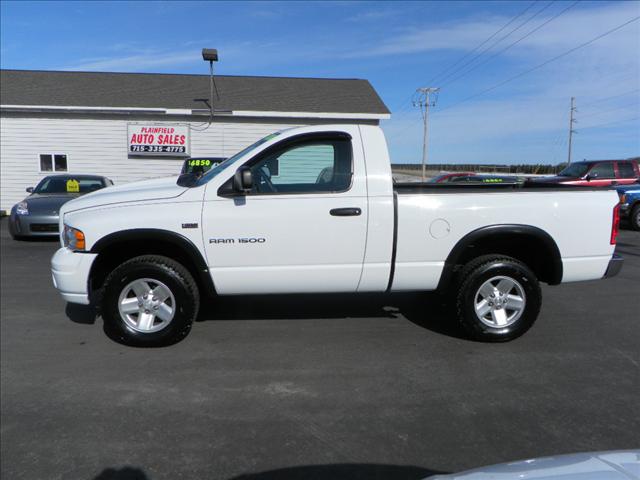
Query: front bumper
[70,271]
[34,225]
[615,265]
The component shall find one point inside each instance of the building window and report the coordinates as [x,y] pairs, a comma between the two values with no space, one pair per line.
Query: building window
[53,163]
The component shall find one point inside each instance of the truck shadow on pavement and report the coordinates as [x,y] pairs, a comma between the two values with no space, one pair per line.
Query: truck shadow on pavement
[345,471]
[425,310]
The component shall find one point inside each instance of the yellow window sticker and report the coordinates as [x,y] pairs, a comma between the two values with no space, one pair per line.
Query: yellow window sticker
[73,186]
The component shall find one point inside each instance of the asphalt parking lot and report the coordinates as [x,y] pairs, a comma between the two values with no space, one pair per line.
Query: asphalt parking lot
[311,387]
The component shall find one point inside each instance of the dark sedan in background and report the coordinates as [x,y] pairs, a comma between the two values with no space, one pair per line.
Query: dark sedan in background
[38,214]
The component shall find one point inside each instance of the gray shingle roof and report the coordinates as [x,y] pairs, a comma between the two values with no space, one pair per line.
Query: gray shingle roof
[145,90]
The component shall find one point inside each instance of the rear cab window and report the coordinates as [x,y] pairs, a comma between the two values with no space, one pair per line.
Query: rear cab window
[625,170]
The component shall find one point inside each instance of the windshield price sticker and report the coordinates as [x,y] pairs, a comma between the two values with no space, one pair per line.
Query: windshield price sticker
[73,186]
[155,140]
[199,163]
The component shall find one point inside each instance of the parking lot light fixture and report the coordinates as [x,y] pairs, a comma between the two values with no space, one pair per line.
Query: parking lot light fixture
[210,55]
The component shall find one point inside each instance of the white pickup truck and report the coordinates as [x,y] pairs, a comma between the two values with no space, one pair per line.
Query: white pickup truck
[315,209]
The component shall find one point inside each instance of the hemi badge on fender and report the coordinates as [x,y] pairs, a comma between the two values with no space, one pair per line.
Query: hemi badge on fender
[189,225]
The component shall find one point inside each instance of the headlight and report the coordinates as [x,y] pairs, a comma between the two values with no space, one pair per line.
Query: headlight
[22,208]
[73,238]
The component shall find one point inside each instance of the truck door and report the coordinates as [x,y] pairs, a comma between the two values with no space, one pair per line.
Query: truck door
[301,228]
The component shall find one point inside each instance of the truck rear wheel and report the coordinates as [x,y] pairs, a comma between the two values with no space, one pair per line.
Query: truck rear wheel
[498,299]
[150,301]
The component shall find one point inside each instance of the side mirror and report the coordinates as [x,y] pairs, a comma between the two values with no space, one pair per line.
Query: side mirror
[588,178]
[243,179]
[29,189]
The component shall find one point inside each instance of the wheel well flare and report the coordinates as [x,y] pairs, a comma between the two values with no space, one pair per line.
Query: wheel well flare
[117,248]
[531,245]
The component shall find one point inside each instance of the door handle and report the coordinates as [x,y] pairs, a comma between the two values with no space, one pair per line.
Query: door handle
[345,212]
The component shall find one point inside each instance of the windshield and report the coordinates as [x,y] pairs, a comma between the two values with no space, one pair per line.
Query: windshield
[229,161]
[575,170]
[69,184]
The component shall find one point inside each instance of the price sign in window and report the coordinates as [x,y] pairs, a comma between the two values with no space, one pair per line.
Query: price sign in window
[200,165]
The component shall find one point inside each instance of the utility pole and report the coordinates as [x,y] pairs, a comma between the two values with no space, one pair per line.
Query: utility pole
[571,122]
[422,98]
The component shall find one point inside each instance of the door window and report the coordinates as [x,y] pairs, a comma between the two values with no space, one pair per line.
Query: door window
[625,170]
[313,166]
[602,170]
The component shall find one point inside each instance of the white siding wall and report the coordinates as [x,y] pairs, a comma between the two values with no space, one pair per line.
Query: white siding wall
[98,145]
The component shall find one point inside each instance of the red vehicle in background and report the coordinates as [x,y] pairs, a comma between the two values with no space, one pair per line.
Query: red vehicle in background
[597,173]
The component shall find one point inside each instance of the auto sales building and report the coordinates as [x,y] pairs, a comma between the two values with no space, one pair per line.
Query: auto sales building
[131,127]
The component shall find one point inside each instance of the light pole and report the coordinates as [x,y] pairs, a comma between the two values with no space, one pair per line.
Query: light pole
[210,55]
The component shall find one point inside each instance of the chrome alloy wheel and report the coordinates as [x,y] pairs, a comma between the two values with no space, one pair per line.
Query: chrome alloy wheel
[146,305]
[499,302]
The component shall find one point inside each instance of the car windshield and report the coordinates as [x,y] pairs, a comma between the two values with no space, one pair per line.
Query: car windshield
[229,161]
[69,185]
[575,170]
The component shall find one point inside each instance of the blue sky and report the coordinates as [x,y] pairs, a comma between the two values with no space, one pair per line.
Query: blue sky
[397,46]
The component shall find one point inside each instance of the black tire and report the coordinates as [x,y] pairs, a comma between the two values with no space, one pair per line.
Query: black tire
[178,280]
[634,218]
[474,275]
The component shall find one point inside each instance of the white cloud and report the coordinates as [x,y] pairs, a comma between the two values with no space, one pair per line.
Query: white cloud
[138,62]
[573,27]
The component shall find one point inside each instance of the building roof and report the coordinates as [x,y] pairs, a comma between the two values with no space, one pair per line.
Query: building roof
[177,91]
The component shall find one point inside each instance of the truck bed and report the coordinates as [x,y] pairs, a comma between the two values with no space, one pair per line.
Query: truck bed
[427,187]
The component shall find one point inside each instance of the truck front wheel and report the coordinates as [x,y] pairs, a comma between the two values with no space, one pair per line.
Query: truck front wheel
[150,301]
[498,299]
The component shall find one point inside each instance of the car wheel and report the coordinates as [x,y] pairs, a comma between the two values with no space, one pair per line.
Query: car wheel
[498,299]
[634,218]
[150,301]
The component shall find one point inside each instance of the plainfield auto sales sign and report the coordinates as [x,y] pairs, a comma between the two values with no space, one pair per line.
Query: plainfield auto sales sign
[154,140]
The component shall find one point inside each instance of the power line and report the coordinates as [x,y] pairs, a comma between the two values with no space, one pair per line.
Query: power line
[512,44]
[407,101]
[611,123]
[602,112]
[481,44]
[540,65]
[611,97]
[497,41]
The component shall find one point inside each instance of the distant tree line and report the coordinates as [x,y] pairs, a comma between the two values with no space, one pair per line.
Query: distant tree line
[539,168]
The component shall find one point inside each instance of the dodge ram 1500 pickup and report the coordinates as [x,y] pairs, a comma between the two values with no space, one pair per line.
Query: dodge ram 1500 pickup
[315,209]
